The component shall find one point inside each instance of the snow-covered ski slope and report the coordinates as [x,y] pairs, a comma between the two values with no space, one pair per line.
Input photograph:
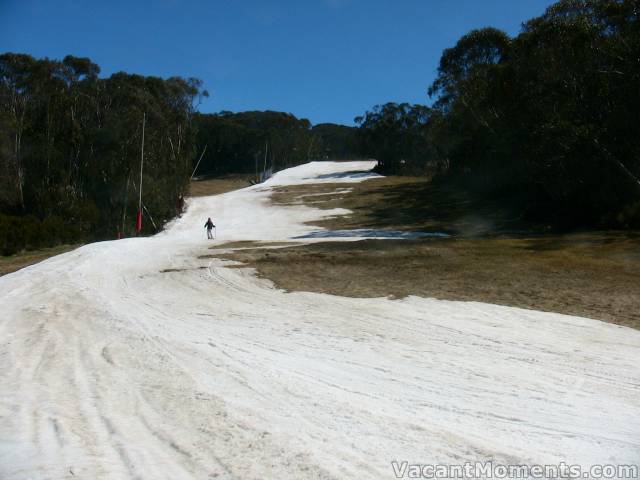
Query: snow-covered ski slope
[136,359]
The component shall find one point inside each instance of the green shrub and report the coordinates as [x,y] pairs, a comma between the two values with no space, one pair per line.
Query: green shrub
[11,235]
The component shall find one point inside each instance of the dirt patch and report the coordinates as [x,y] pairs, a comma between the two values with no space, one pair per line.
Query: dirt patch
[596,275]
[218,185]
[173,270]
[409,204]
[250,244]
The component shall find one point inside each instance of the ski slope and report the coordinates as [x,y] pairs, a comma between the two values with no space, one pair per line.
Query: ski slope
[136,359]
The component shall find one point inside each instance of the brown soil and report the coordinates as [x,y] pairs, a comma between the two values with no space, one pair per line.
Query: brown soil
[218,185]
[240,244]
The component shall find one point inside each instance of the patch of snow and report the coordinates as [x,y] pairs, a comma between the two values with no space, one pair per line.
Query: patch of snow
[324,172]
[337,191]
[372,233]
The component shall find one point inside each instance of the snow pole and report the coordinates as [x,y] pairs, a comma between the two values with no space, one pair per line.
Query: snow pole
[198,164]
[139,218]
[155,227]
[264,168]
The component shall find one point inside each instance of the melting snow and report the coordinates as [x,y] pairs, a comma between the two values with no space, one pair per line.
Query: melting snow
[127,359]
[371,233]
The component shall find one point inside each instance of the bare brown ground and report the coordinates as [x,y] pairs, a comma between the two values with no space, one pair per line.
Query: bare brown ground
[405,203]
[218,185]
[242,244]
[493,257]
[15,262]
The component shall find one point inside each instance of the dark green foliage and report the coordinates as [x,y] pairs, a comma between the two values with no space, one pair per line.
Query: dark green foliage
[548,120]
[398,136]
[20,232]
[236,142]
[335,142]
[250,142]
[70,149]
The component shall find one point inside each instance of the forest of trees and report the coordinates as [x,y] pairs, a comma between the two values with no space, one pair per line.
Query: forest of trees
[250,142]
[548,119]
[70,148]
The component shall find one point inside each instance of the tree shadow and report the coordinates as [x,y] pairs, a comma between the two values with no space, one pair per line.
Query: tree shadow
[431,206]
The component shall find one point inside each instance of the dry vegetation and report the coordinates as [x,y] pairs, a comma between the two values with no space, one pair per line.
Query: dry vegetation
[218,185]
[407,203]
[493,256]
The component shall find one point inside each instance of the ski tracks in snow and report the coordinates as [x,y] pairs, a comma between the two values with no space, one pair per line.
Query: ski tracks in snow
[136,359]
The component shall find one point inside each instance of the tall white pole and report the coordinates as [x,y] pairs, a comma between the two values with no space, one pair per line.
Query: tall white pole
[197,164]
[144,119]
[264,168]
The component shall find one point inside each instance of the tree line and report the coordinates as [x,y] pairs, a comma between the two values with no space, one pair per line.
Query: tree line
[252,142]
[547,119]
[71,146]
[70,149]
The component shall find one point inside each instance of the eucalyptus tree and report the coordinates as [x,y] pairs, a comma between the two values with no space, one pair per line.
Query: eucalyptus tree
[70,146]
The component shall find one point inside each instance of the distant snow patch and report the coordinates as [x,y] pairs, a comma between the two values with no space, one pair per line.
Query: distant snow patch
[370,233]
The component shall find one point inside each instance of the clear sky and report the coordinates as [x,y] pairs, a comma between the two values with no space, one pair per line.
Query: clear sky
[325,60]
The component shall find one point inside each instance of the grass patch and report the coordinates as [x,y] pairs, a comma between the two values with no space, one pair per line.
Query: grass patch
[242,245]
[596,275]
[408,204]
[250,244]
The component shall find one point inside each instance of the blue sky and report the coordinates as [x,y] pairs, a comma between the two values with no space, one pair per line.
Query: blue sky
[325,60]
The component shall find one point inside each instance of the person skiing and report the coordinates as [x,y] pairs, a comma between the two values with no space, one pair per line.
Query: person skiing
[209,226]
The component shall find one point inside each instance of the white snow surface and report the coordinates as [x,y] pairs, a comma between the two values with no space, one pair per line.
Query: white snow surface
[136,359]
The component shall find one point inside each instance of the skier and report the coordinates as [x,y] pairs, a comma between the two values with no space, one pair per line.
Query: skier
[209,226]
